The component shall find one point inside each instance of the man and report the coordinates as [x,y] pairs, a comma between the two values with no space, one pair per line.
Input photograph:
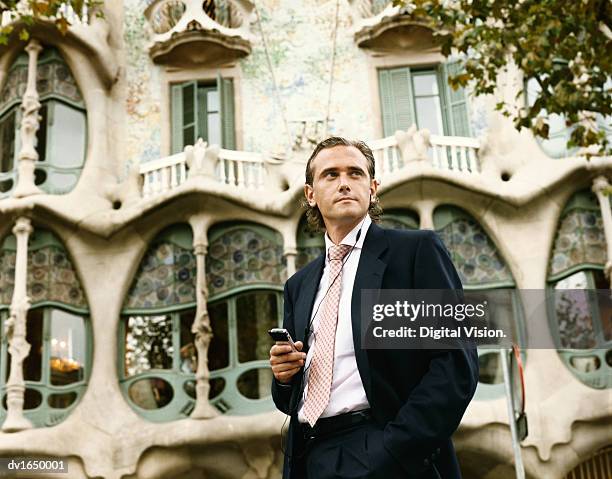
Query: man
[357,413]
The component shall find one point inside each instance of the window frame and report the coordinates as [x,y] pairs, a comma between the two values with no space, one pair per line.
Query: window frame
[45,415]
[46,164]
[387,96]
[225,86]
[594,379]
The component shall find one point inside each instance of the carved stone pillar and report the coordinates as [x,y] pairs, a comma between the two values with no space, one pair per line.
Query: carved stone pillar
[203,335]
[30,122]
[600,185]
[426,210]
[16,333]
[290,253]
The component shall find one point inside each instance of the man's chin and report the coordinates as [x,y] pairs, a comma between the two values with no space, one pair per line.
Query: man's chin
[347,211]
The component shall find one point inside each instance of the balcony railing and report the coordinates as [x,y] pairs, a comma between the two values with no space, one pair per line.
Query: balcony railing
[454,153]
[248,170]
[240,169]
[65,10]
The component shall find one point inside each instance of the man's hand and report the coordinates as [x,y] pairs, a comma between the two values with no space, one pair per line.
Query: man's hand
[286,362]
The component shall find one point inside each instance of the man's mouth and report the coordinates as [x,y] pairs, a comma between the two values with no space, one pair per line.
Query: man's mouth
[345,198]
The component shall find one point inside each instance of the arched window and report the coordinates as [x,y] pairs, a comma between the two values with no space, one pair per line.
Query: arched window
[309,245]
[58,330]
[245,271]
[62,135]
[157,352]
[400,219]
[580,318]
[481,268]
[559,134]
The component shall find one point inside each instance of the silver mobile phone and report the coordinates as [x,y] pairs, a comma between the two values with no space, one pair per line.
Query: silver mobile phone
[282,335]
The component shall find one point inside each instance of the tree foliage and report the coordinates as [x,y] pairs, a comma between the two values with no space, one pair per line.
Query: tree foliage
[562,45]
[24,13]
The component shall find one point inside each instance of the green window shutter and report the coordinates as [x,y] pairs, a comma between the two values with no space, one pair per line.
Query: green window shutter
[184,115]
[455,103]
[396,100]
[202,131]
[226,98]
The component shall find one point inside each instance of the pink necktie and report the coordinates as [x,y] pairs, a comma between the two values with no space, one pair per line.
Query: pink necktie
[321,368]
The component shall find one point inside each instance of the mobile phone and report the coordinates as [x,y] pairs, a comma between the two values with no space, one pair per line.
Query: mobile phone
[281,334]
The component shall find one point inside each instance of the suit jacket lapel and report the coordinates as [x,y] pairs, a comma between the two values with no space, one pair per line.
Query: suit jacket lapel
[306,298]
[369,276]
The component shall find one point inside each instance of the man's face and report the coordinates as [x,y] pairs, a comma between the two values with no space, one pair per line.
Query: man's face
[341,185]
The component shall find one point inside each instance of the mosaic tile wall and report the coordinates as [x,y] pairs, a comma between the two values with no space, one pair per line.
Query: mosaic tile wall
[299,39]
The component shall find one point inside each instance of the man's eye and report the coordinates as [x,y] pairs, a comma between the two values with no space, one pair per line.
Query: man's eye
[357,173]
[331,174]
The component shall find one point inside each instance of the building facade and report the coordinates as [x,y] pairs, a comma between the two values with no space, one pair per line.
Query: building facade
[151,168]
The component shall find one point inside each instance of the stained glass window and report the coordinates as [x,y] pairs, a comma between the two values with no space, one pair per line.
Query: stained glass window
[243,255]
[474,254]
[51,274]
[157,354]
[400,219]
[62,134]
[580,238]
[580,310]
[166,276]
[55,370]
[310,245]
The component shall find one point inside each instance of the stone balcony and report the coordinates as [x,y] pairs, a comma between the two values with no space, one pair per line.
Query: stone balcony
[380,26]
[187,33]
[253,172]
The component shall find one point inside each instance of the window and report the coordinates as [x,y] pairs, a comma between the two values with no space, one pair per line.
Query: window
[400,219]
[245,271]
[203,110]
[422,96]
[239,352]
[157,355]
[581,316]
[559,134]
[62,134]
[56,368]
[486,275]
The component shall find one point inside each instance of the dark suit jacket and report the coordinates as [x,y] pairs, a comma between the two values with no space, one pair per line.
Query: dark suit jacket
[417,396]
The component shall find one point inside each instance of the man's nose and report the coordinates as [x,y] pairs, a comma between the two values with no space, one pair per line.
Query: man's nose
[344,185]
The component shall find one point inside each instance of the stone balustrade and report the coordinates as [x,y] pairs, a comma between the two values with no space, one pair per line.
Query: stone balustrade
[241,169]
[248,170]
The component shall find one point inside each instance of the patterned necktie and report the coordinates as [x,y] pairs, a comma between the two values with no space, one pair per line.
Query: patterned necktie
[322,365]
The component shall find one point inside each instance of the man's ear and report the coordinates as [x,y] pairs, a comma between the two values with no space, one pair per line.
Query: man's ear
[309,194]
[373,188]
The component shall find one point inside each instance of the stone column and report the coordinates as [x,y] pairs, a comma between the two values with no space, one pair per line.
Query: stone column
[30,122]
[290,254]
[600,185]
[16,333]
[203,335]
[426,210]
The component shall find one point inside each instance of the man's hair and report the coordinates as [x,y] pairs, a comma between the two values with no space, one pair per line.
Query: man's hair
[313,215]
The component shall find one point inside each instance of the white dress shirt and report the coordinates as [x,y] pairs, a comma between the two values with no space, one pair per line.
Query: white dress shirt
[347,392]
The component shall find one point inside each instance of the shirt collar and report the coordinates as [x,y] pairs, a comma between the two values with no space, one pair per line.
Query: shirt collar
[349,239]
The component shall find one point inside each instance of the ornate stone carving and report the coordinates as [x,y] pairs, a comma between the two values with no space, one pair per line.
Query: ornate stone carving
[413,144]
[197,33]
[30,122]
[16,333]
[201,159]
[203,335]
